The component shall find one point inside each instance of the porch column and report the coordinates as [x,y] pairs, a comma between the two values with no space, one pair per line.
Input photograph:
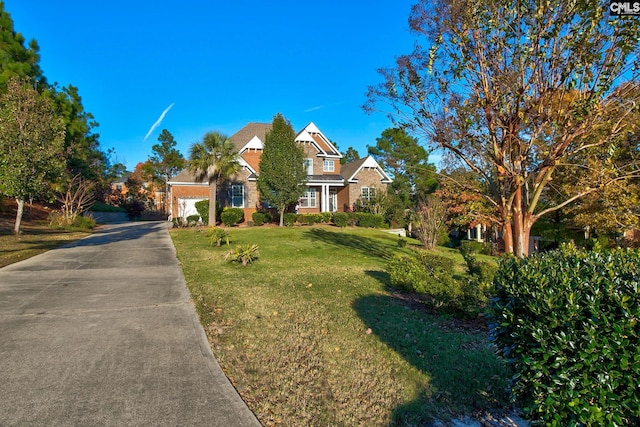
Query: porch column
[324,203]
[479,232]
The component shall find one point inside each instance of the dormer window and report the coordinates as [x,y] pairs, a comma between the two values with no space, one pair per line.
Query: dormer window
[328,166]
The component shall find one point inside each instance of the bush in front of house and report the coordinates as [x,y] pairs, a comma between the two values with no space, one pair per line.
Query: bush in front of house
[259,218]
[193,219]
[568,323]
[366,219]
[202,207]
[472,247]
[340,219]
[231,216]
[289,219]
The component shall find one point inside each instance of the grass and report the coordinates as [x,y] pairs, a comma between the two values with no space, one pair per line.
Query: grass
[312,335]
[35,235]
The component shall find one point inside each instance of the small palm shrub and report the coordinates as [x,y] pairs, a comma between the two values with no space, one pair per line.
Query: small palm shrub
[340,219]
[232,216]
[217,235]
[568,323]
[244,254]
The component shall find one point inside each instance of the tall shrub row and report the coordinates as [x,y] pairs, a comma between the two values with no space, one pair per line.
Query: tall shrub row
[569,322]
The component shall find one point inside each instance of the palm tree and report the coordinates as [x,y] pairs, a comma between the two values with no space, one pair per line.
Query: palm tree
[215,158]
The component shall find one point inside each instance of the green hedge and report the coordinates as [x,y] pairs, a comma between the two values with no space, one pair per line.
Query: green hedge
[340,219]
[365,219]
[569,323]
[289,219]
[232,216]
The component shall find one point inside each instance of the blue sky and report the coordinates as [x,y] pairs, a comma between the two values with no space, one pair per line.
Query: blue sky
[218,64]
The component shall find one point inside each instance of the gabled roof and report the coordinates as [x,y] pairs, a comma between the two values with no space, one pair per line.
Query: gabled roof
[245,135]
[351,169]
[312,134]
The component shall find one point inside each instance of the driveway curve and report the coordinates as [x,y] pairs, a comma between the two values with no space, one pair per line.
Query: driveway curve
[103,332]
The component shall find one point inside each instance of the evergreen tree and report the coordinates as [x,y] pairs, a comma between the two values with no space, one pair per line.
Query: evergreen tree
[15,58]
[31,144]
[166,161]
[282,176]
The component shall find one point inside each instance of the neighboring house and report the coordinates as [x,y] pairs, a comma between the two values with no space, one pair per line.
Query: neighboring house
[331,187]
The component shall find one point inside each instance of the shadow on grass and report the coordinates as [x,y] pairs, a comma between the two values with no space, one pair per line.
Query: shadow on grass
[464,374]
[365,245]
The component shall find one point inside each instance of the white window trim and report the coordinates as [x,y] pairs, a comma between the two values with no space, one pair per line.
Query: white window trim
[309,198]
[309,162]
[233,197]
[328,165]
[368,194]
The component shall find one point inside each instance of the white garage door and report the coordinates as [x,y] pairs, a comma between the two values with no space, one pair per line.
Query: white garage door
[187,207]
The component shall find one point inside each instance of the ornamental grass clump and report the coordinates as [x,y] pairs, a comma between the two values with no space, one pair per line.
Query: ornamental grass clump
[568,323]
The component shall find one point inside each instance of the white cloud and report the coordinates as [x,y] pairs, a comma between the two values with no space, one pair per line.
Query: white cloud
[157,123]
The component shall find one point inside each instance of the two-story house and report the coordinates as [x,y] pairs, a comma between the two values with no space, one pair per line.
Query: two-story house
[331,187]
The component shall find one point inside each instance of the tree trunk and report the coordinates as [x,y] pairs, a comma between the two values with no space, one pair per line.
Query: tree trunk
[213,192]
[507,236]
[16,228]
[282,216]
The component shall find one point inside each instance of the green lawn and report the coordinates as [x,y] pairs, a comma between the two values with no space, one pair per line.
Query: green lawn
[311,334]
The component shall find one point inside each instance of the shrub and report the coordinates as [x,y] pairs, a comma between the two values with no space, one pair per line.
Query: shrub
[245,254]
[217,235]
[324,217]
[473,247]
[259,218]
[289,219]
[202,207]
[567,321]
[84,222]
[366,219]
[352,221]
[134,209]
[402,242]
[301,218]
[340,219]
[231,216]
[311,219]
[192,219]
[268,218]
[426,274]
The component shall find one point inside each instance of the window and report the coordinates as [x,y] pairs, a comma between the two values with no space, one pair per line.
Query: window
[308,200]
[328,166]
[308,164]
[237,196]
[367,193]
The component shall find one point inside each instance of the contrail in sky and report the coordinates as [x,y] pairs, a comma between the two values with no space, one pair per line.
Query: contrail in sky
[157,123]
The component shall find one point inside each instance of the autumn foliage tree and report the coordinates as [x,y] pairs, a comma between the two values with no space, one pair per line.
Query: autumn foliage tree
[514,91]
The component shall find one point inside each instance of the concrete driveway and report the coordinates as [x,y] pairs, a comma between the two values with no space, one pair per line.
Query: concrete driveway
[102,332]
